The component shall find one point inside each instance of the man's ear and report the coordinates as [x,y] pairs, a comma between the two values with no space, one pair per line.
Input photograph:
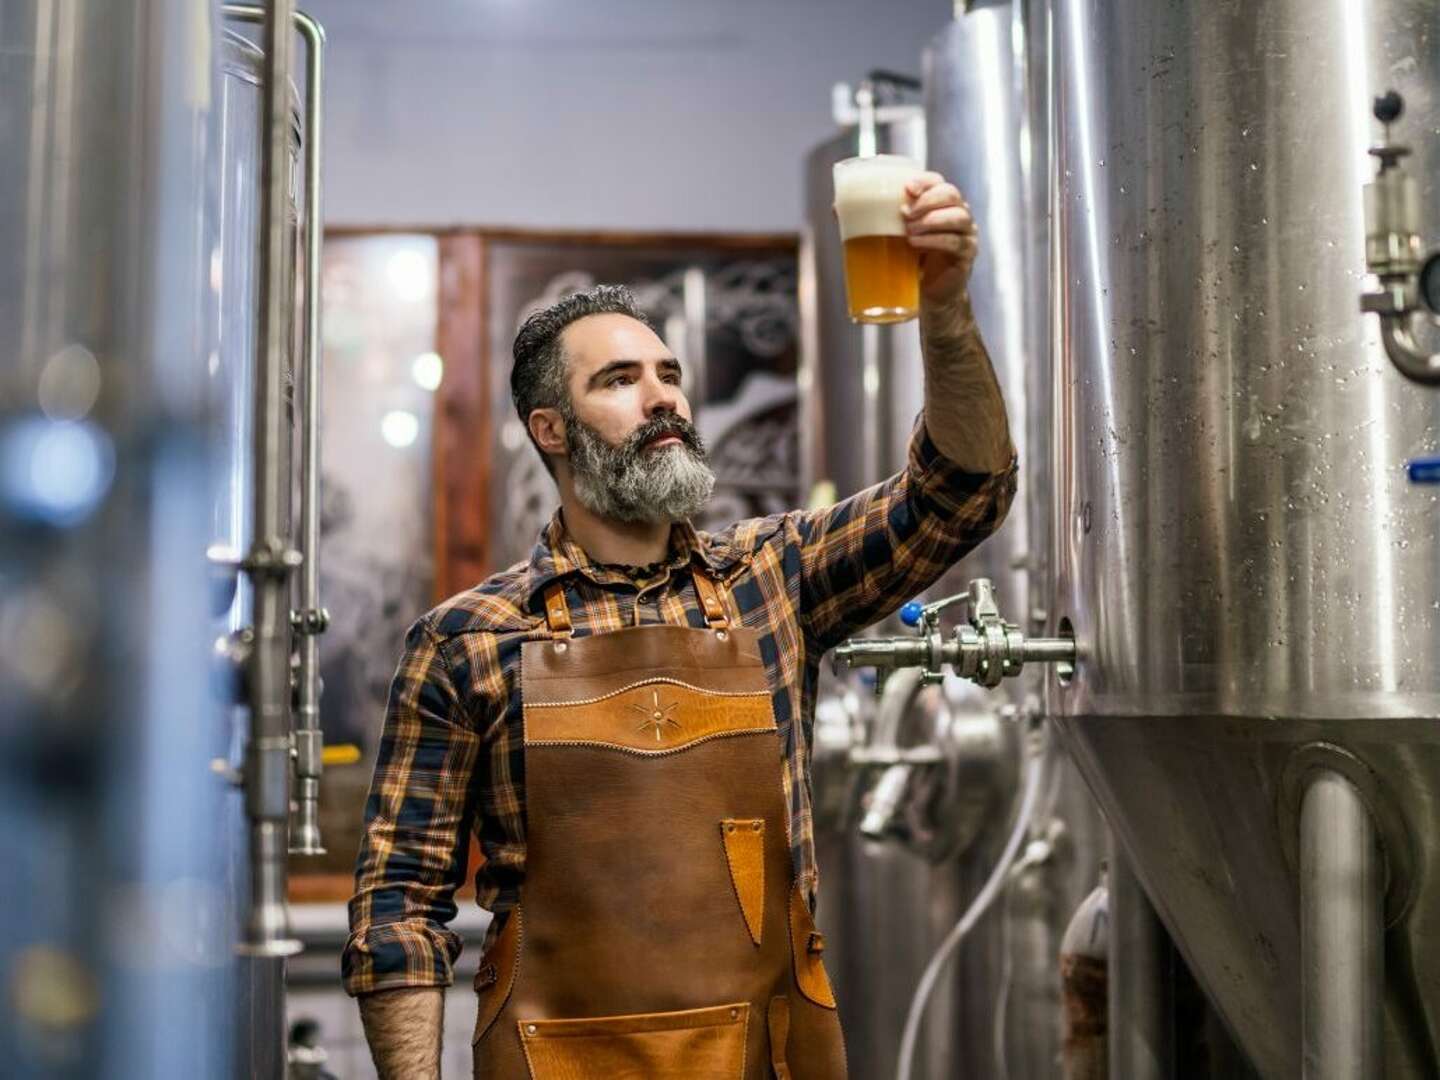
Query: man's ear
[547,428]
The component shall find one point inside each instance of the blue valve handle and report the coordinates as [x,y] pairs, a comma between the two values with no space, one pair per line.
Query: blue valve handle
[914,611]
[1424,470]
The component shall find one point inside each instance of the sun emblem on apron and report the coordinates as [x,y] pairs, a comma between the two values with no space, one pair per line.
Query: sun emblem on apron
[656,715]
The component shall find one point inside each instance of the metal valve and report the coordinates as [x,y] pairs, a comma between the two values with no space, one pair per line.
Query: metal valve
[984,649]
[1408,281]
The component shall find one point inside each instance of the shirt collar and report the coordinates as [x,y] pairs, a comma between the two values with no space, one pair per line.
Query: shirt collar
[556,555]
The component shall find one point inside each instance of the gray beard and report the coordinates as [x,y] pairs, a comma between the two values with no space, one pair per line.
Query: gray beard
[630,484]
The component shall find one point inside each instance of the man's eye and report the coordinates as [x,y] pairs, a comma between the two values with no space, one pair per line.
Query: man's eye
[620,380]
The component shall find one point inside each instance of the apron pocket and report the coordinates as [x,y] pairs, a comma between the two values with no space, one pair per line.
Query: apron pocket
[694,1044]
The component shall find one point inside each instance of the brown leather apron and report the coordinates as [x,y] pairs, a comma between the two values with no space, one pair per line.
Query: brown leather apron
[659,933]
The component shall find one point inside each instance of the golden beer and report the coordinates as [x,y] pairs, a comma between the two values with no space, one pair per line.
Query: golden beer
[882,279]
[882,270]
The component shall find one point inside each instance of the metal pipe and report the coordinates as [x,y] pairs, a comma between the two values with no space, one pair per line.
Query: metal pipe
[1407,356]
[1342,973]
[1048,650]
[311,619]
[1140,993]
[271,560]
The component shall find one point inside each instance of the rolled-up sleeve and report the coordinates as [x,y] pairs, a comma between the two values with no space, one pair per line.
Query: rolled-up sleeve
[418,817]
[862,558]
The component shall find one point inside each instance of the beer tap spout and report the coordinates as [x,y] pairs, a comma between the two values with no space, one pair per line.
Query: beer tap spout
[986,649]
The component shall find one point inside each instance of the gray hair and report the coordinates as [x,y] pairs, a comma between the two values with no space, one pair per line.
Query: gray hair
[537,378]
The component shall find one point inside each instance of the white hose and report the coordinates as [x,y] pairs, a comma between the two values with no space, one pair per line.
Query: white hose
[1034,771]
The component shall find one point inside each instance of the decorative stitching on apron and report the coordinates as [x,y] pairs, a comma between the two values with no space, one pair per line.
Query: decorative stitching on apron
[645,682]
[650,753]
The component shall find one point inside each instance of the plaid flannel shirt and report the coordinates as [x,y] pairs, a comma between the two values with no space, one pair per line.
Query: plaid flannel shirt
[451,757]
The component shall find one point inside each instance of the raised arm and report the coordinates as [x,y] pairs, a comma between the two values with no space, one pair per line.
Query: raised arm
[864,557]
[418,816]
[964,411]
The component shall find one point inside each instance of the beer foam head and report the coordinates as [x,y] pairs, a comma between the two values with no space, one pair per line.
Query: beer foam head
[869,192]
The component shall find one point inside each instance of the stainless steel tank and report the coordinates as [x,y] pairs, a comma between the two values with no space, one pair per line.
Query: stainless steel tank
[885,907]
[883,910]
[114,943]
[1251,581]
[987,119]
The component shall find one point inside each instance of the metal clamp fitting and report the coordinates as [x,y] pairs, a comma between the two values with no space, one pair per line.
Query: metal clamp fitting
[310,620]
[272,558]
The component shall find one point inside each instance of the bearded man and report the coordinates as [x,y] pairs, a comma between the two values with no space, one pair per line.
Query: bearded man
[624,720]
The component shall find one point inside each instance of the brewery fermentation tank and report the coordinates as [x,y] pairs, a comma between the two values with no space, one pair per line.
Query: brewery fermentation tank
[1251,581]
[114,943]
[147,442]
[889,898]
[875,903]
[988,132]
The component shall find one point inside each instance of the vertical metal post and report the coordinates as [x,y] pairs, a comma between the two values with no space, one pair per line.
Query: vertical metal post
[1141,1001]
[1342,973]
[865,128]
[271,560]
[311,620]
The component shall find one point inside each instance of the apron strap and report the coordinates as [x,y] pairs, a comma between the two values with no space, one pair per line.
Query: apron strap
[557,614]
[710,601]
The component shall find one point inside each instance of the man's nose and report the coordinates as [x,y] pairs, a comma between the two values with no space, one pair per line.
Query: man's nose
[662,397]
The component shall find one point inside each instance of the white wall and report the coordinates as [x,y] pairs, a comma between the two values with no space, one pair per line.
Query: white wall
[614,114]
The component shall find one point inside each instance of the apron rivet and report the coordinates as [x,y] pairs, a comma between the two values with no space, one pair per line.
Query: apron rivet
[530,1029]
[758,826]
[730,828]
[734,1014]
[560,646]
[721,634]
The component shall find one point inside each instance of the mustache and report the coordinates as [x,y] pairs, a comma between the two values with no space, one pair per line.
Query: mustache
[660,426]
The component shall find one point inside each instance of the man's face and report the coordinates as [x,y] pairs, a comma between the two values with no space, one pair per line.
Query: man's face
[634,454]
[620,375]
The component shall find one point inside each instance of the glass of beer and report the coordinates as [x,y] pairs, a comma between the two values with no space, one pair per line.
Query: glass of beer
[882,270]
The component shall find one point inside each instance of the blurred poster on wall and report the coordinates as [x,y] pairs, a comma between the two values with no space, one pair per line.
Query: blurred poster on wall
[381,372]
